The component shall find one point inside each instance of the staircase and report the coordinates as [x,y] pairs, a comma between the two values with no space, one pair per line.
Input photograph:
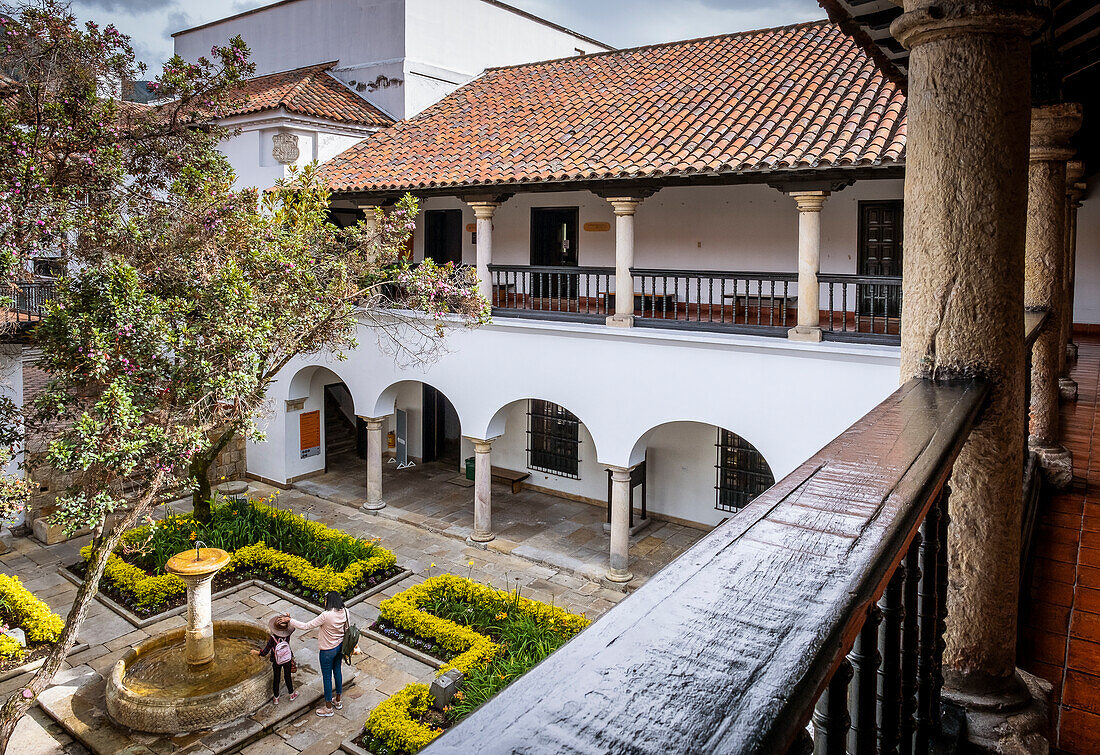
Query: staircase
[339,432]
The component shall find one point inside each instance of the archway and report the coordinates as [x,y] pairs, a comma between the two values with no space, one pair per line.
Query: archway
[700,473]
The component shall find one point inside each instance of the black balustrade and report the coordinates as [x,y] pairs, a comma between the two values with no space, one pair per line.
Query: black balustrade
[567,293]
[864,308]
[27,299]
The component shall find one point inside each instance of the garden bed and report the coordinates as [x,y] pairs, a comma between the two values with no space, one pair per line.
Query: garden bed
[493,637]
[267,544]
[19,608]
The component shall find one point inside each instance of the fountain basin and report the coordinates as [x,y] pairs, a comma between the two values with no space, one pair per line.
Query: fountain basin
[153,688]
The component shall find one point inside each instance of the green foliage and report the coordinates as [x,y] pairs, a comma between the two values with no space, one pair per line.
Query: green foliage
[37,621]
[499,635]
[395,722]
[317,557]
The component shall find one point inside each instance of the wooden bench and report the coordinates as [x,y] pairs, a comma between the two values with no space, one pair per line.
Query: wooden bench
[514,478]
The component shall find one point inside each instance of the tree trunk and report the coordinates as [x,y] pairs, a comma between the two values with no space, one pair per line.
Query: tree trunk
[21,701]
[200,473]
[200,498]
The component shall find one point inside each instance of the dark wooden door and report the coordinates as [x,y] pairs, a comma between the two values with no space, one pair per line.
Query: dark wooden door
[443,236]
[442,434]
[879,254]
[554,244]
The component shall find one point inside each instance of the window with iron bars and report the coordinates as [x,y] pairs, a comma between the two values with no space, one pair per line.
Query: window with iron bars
[743,474]
[553,439]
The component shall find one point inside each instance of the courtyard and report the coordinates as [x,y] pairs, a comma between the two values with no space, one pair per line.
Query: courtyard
[422,548]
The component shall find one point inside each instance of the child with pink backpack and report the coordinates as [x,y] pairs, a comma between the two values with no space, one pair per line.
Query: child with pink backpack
[282,659]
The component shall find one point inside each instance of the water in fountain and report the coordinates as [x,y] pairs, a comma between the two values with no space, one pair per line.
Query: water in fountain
[164,672]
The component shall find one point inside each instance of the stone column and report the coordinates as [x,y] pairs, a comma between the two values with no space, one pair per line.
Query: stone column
[966,159]
[374,463]
[809,263]
[1075,170]
[483,211]
[483,490]
[619,570]
[370,219]
[624,260]
[1044,277]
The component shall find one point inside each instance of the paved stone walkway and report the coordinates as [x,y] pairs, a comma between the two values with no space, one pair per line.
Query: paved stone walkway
[559,533]
[381,670]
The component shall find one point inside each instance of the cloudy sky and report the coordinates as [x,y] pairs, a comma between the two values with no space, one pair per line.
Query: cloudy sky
[623,23]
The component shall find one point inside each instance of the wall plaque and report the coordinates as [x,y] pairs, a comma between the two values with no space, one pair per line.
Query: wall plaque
[284,148]
[309,433]
[597,227]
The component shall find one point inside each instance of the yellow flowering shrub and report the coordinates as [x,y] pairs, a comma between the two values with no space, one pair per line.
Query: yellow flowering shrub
[474,649]
[148,590]
[33,616]
[396,720]
[322,579]
[10,648]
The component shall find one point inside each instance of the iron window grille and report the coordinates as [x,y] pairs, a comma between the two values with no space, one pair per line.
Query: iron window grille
[553,439]
[743,474]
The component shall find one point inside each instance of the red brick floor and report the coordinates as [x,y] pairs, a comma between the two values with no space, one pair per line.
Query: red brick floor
[1061,617]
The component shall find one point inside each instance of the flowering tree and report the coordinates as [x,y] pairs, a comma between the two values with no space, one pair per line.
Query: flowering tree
[185,297]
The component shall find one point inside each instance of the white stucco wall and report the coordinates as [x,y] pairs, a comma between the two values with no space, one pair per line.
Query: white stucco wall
[744,228]
[788,399]
[302,33]
[1086,294]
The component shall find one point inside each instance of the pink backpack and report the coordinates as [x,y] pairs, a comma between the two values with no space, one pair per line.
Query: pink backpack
[282,650]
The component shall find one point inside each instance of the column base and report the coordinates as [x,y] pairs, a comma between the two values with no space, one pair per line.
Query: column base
[618,575]
[1071,351]
[639,525]
[1055,460]
[1067,387]
[1003,716]
[804,333]
[482,537]
[620,321]
[373,506]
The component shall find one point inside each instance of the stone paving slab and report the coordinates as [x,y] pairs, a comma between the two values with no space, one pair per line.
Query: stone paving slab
[382,670]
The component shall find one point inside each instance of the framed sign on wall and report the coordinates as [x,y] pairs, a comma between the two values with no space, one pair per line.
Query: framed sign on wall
[309,433]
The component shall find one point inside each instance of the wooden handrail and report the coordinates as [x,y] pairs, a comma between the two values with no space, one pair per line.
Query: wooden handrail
[728,647]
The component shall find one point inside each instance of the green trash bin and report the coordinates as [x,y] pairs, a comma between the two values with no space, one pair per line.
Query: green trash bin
[470,469]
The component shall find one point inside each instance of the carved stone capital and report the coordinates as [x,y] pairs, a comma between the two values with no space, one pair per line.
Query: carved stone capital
[809,201]
[934,22]
[1052,127]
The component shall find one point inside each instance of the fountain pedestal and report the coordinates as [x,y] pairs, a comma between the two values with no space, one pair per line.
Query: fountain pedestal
[197,569]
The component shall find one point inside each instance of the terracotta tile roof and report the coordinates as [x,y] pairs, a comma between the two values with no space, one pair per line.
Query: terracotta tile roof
[795,97]
[308,91]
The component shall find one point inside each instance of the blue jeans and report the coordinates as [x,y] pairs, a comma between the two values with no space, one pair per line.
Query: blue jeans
[331,667]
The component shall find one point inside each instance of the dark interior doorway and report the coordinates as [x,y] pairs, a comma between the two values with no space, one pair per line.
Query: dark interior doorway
[345,433]
[554,244]
[442,430]
[443,236]
[880,251]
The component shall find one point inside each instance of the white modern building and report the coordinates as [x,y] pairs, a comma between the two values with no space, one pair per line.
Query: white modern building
[393,57]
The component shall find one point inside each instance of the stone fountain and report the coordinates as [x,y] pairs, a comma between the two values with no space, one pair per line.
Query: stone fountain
[196,677]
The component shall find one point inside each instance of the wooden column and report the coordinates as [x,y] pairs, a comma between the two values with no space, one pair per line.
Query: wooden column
[969,115]
[1075,170]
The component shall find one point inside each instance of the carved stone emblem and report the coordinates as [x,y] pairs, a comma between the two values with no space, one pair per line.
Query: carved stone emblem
[284,148]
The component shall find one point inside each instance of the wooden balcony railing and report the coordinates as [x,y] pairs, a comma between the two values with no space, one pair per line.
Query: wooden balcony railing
[559,293]
[27,300]
[822,600]
[853,307]
[864,308]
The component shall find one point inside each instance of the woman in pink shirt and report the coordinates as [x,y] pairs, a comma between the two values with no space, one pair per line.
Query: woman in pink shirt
[332,622]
